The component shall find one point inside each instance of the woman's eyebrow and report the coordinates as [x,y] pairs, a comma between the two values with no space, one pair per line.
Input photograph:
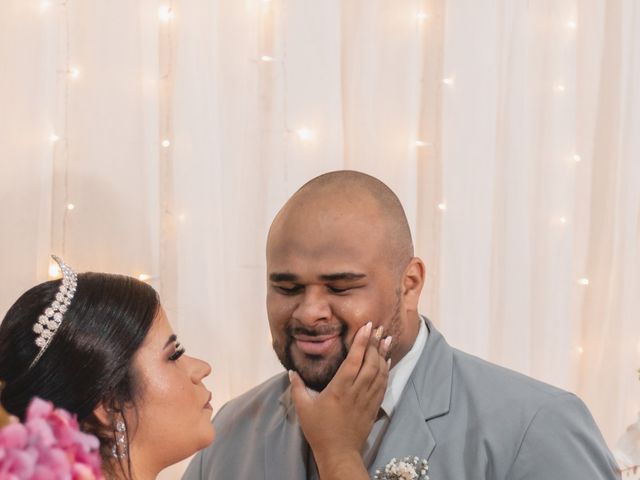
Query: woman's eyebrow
[171,340]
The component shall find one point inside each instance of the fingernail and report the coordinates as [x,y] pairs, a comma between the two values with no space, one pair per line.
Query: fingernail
[367,329]
[290,375]
[389,364]
[387,341]
[379,332]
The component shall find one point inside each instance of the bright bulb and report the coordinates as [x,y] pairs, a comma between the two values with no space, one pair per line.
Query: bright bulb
[577,158]
[54,270]
[449,81]
[559,88]
[53,138]
[70,206]
[563,220]
[422,16]
[305,134]
[143,277]
[165,13]
[584,281]
[572,24]
[166,143]
[442,206]
[45,4]
[420,143]
[74,72]
[580,350]
[266,58]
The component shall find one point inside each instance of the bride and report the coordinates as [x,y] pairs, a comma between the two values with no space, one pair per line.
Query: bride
[101,346]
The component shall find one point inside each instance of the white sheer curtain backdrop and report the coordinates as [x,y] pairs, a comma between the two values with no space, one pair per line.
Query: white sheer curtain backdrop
[159,138]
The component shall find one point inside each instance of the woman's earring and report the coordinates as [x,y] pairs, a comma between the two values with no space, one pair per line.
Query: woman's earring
[119,449]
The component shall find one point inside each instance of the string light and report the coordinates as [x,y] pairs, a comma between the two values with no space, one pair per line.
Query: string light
[571,24]
[442,206]
[580,350]
[70,206]
[165,13]
[560,88]
[166,143]
[182,217]
[583,281]
[143,277]
[422,16]
[74,72]
[305,134]
[420,143]
[266,58]
[577,158]
[53,138]
[563,220]
[54,269]
[45,4]
[449,81]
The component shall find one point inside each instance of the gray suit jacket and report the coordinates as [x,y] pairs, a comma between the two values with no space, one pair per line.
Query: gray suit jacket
[470,419]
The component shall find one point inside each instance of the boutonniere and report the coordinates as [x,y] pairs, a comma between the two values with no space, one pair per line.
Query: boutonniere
[406,469]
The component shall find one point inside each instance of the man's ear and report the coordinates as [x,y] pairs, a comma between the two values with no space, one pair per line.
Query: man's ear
[412,282]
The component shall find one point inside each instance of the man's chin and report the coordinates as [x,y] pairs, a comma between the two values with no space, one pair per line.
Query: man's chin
[318,374]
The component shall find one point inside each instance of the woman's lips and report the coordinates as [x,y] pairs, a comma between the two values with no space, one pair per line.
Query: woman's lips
[208,404]
[315,345]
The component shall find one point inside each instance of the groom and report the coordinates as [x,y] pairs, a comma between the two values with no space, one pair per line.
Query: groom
[339,254]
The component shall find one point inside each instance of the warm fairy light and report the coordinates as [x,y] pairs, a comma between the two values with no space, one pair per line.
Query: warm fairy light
[165,13]
[54,269]
[449,81]
[563,220]
[442,206]
[420,143]
[577,158]
[166,143]
[182,217]
[143,277]
[422,16]
[584,281]
[560,88]
[70,206]
[53,138]
[45,4]
[266,58]
[74,72]
[305,134]
[572,24]
[580,350]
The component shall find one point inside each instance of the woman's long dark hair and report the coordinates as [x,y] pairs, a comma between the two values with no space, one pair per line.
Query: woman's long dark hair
[88,362]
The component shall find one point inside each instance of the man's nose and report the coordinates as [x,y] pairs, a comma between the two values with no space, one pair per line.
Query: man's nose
[313,307]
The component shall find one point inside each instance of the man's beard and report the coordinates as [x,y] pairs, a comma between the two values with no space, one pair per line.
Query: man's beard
[318,371]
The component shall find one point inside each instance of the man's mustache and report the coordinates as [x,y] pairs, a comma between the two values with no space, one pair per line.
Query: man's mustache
[321,330]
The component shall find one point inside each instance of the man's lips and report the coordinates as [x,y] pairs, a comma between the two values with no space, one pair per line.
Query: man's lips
[315,344]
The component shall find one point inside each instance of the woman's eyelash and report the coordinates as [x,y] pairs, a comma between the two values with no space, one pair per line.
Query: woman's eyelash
[178,353]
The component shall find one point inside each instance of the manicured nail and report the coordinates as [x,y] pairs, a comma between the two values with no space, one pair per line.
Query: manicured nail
[389,364]
[367,329]
[387,342]
[379,332]
[290,375]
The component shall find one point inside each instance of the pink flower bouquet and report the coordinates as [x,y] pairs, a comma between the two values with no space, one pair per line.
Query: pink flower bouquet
[48,446]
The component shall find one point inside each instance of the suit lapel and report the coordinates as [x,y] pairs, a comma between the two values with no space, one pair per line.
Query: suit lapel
[286,452]
[426,396]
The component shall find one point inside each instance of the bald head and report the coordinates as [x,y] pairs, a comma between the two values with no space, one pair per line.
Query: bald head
[350,200]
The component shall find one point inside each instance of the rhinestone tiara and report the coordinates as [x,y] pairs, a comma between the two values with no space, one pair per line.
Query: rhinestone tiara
[48,323]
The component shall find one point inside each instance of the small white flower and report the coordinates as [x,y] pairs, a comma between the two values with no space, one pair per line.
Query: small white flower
[406,469]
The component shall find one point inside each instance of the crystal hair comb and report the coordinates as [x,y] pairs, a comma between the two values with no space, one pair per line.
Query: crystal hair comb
[48,323]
